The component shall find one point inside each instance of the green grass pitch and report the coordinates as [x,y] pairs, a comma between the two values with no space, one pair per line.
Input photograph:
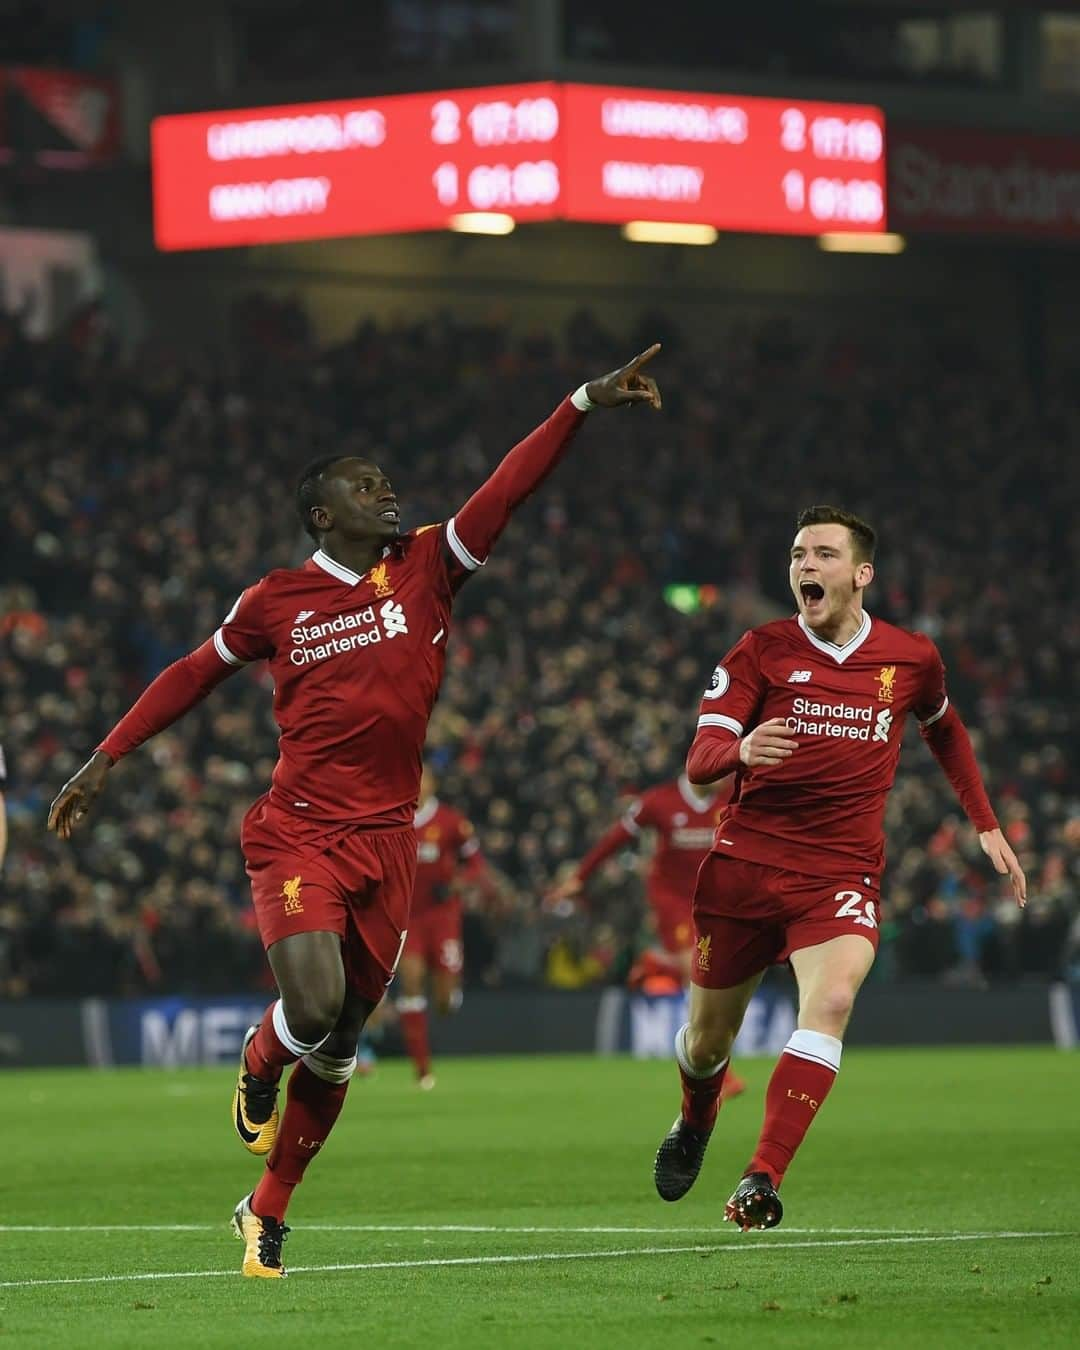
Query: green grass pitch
[935,1203]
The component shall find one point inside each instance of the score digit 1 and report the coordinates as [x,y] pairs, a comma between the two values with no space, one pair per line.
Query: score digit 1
[445,180]
[794,188]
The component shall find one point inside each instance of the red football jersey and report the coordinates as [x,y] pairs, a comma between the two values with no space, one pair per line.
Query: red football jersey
[821,810]
[357,662]
[684,825]
[444,841]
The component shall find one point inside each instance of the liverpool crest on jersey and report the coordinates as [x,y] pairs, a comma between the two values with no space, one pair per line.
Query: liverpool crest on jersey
[381,581]
[886,681]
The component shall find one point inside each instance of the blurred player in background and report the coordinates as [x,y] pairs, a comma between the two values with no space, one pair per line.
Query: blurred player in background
[808,714]
[447,857]
[683,819]
[3,809]
[356,644]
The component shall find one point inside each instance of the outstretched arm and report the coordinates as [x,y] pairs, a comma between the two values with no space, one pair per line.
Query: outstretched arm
[609,843]
[241,638]
[624,832]
[475,528]
[176,690]
[950,745]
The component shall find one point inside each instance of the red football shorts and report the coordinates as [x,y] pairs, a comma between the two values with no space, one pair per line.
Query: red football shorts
[748,916]
[435,937]
[347,881]
[673,920]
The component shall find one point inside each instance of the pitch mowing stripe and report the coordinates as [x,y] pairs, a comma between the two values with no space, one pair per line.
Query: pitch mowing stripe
[424,1228]
[533,1257]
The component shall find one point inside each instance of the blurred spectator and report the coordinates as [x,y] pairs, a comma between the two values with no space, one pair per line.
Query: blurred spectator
[138,499]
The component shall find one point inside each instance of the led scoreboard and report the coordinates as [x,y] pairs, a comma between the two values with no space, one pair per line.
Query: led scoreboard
[766,165]
[532,151]
[363,166]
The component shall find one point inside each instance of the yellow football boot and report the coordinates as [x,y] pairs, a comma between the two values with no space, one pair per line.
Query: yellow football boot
[254,1111]
[262,1242]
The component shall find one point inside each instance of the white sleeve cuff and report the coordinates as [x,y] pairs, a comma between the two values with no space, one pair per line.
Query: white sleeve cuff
[934,717]
[719,720]
[581,401]
[223,651]
[460,552]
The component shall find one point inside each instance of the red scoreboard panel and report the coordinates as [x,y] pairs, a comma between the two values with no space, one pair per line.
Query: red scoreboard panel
[763,165]
[363,166]
[534,151]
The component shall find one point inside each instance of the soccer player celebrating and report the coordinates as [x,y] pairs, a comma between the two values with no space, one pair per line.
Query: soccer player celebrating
[356,644]
[683,818]
[447,854]
[808,713]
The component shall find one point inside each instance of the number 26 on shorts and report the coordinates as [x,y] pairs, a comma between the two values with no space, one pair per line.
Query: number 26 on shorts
[855,906]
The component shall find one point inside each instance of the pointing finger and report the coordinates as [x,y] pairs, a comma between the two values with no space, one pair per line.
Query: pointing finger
[642,357]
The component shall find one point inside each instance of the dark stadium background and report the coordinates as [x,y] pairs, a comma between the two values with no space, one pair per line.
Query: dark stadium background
[154,408]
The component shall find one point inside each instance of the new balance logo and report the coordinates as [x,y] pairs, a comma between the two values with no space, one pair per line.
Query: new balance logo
[393,617]
[304,614]
[800,677]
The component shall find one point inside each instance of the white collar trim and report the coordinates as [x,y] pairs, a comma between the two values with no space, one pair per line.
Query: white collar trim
[335,569]
[426,812]
[838,654]
[339,570]
[690,797]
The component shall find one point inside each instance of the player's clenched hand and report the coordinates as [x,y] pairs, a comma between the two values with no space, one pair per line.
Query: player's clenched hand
[560,899]
[769,743]
[998,849]
[78,794]
[627,384]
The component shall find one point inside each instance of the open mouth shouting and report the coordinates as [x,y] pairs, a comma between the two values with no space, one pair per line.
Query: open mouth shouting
[812,594]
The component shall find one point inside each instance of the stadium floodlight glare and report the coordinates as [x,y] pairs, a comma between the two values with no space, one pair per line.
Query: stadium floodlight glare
[482,222]
[862,243]
[667,232]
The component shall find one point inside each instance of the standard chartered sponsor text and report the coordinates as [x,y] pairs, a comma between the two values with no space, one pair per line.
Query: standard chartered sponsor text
[846,720]
[358,629]
[1020,192]
[692,836]
[281,197]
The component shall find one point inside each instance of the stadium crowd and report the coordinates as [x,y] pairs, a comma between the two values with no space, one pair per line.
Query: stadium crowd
[140,495]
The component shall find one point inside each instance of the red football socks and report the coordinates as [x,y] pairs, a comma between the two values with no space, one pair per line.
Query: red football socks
[273,1045]
[414,1032]
[700,1089]
[800,1082]
[312,1105]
